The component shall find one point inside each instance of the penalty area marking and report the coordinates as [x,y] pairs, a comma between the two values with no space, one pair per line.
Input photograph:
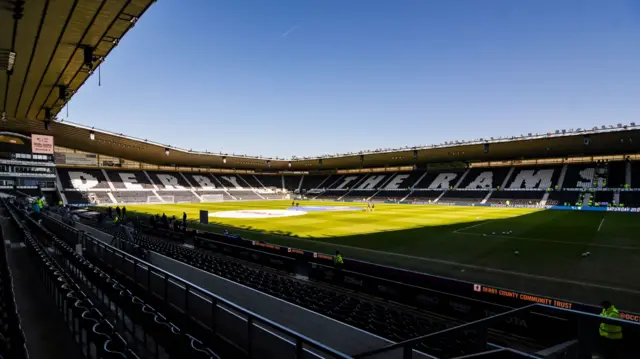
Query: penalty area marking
[440,261]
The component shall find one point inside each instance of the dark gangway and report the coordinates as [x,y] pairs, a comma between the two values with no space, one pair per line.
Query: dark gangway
[44,330]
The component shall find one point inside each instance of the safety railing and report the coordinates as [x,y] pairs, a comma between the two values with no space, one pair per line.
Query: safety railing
[584,344]
[201,306]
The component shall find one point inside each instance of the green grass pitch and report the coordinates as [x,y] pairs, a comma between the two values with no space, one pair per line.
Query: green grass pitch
[477,244]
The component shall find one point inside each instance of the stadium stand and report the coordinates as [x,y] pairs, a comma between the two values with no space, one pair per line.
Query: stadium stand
[579,176]
[270,182]
[529,185]
[635,175]
[617,170]
[533,177]
[483,178]
[12,340]
[563,198]
[85,179]
[128,179]
[460,196]
[292,183]
[168,181]
[393,322]
[516,197]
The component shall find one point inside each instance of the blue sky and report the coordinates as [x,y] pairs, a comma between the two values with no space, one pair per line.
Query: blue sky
[312,77]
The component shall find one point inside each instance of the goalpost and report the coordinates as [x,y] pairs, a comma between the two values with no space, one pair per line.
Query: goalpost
[212,198]
[156,200]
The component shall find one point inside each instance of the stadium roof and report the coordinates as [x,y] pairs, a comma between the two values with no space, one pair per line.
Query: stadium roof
[609,141]
[48,49]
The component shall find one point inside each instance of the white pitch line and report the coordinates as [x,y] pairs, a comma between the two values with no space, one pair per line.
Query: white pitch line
[548,241]
[440,261]
[601,222]
[473,226]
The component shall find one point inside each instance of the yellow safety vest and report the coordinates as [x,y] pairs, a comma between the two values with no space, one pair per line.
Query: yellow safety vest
[339,259]
[610,331]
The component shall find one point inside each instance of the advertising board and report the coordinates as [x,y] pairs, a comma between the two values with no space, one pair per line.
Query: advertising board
[80,159]
[42,144]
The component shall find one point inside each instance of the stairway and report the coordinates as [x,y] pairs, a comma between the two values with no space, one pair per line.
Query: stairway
[627,174]
[616,198]
[384,184]
[440,196]
[59,188]
[354,186]
[506,179]
[486,198]
[563,173]
[544,199]
[414,186]
[462,178]
[300,184]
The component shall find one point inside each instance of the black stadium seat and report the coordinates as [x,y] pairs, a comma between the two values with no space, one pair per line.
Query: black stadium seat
[394,323]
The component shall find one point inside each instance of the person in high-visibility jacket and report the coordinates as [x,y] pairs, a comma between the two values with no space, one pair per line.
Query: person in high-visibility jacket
[611,334]
[338,260]
[610,331]
[116,220]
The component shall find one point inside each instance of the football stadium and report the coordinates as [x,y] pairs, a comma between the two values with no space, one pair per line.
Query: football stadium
[120,247]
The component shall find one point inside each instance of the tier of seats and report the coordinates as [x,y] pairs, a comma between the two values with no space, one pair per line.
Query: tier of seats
[124,179]
[617,174]
[271,182]
[424,196]
[392,195]
[12,341]
[93,184]
[516,197]
[630,199]
[135,328]
[635,175]
[463,196]
[291,183]
[561,198]
[579,176]
[394,323]
[528,178]
[90,328]
[484,178]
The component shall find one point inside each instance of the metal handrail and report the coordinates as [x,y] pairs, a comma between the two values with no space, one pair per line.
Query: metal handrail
[251,316]
[411,342]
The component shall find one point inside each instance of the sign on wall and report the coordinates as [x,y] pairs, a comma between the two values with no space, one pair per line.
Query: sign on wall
[80,159]
[42,144]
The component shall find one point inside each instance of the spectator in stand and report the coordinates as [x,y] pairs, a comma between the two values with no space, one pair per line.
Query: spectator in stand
[124,211]
[184,221]
[118,211]
[110,212]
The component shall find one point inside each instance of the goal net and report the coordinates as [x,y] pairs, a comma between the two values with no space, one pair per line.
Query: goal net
[156,200]
[212,198]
